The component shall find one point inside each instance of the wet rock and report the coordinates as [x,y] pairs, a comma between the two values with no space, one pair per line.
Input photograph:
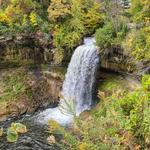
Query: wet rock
[117,60]
[144,70]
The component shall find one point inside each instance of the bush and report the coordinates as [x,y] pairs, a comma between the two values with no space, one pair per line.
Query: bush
[136,108]
[104,36]
[58,10]
[140,11]
[138,44]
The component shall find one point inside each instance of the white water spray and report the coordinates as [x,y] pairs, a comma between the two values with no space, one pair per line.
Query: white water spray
[78,87]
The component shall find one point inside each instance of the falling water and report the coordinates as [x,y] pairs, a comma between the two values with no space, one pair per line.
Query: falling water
[78,87]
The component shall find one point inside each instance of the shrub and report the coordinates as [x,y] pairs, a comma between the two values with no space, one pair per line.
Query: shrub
[138,44]
[58,10]
[135,107]
[58,56]
[140,11]
[104,36]
[93,18]
[14,130]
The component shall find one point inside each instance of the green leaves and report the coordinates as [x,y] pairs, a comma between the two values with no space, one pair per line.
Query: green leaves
[104,36]
[146,82]
[12,135]
[13,132]
[55,128]
[19,128]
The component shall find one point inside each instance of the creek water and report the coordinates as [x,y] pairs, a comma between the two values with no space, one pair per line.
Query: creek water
[34,139]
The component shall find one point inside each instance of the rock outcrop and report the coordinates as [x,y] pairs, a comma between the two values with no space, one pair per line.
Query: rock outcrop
[42,88]
[116,59]
[25,47]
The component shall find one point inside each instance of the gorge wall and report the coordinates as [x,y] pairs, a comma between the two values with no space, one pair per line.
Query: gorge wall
[25,47]
[36,49]
[46,86]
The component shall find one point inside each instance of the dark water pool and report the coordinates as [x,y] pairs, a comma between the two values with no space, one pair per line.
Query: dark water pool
[34,139]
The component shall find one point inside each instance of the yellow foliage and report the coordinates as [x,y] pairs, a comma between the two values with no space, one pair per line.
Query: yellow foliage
[93,18]
[24,21]
[140,11]
[58,9]
[13,12]
[17,12]
[19,128]
[3,17]
[72,39]
[53,126]
[33,19]
[58,55]
[83,146]
[137,43]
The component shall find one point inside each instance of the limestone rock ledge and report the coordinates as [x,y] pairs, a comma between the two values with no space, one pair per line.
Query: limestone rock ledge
[116,59]
[26,47]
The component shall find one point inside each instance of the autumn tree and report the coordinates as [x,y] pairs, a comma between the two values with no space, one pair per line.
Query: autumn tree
[140,10]
[58,10]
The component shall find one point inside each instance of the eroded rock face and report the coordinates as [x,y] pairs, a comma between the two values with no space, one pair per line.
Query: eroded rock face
[116,59]
[45,90]
[41,90]
[25,47]
[36,48]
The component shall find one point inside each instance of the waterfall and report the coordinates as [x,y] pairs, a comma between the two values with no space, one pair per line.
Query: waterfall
[78,87]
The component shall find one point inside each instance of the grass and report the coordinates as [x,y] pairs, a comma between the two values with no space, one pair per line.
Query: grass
[13,86]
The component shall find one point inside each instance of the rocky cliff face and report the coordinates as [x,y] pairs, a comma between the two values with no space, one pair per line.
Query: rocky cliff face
[25,47]
[35,90]
[116,59]
[36,49]
[43,87]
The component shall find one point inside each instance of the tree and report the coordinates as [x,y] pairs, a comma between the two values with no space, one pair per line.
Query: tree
[93,18]
[58,10]
[114,12]
[140,10]
[104,36]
